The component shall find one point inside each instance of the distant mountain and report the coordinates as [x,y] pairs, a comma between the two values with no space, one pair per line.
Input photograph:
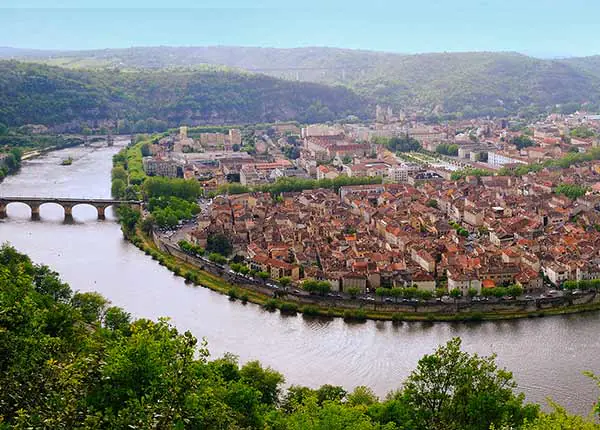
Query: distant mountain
[470,83]
[35,93]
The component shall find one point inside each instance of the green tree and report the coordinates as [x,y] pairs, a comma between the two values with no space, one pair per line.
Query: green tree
[119,172]
[91,305]
[145,148]
[263,275]
[118,188]
[316,287]
[455,293]
[219,243]
[265,380]
[451,389]
[116,318]
[353,292]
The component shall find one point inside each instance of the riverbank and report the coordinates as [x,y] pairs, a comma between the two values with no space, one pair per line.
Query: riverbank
[352,311]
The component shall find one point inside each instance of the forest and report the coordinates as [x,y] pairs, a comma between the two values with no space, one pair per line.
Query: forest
[145,101]
[438,85]
[71,360]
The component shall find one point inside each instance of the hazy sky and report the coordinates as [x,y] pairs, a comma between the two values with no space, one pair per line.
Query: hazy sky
[538,27]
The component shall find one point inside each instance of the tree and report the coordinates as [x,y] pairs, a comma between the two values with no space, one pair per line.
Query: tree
[472,292]
[455,293]
[451,389]
[145,148]
[119,172]
[523,141]
[316,287]
[147,224]
[432,203]
[263,275]
[265,380]
[118,188]
[116,318]
[514,290]
[91,305]
[285,281]
[353,292]
[128,218]
[219,243]
[362,396]
[559,419]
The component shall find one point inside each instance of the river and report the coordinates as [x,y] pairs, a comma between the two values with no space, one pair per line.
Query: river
[546,355]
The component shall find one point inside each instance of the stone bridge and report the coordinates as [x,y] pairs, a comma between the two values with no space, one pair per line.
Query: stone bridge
[67,204]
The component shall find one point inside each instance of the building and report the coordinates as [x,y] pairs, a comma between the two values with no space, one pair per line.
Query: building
[235,136]
[154,166]
[557,273]
[497,159]
[260,173]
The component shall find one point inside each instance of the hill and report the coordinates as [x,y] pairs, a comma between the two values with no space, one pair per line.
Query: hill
[34,93]
[469,83]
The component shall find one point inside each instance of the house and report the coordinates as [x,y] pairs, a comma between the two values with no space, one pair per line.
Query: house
[354,280]
[423,259]
[423,281]
[463,281]
[556,272]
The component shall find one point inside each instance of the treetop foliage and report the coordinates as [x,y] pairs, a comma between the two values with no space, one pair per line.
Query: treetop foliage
[72,361]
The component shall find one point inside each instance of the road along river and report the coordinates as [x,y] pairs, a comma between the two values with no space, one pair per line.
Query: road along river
[546,355]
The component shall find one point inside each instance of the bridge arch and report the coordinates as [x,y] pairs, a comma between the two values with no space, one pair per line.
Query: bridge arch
[35,207]
[100,207]
[4,208]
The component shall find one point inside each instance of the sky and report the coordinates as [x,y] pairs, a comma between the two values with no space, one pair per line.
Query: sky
[542,28]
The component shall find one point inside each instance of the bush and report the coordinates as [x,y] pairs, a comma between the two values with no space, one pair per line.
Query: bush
[233,294]
[396,317]
[271,305]
[244,298]
[312,311]
[288,308]
[355,315]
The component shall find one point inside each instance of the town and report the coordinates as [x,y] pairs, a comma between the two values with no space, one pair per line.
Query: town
[469,208]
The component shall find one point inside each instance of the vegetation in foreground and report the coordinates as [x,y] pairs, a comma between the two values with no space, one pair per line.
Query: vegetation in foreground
[70,360]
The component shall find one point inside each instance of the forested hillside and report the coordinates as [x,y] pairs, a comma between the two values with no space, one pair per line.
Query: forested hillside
[72,361]
[475,83]
[40,94]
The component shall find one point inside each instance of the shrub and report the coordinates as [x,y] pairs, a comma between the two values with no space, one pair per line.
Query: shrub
[233,294]
[396,317]
[288,308]
[310,310]
[355,315]
[271,305]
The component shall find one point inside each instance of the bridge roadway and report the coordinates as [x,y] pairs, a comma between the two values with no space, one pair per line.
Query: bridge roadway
[67,204]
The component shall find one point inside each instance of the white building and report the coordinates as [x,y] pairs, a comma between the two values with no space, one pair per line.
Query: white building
[497,160]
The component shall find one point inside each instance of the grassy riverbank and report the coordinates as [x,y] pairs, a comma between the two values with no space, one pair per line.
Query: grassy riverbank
[204,279]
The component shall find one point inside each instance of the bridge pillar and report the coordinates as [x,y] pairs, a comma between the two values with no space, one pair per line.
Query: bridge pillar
[68,211]
[2,210]
[35,211]
[101,210]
